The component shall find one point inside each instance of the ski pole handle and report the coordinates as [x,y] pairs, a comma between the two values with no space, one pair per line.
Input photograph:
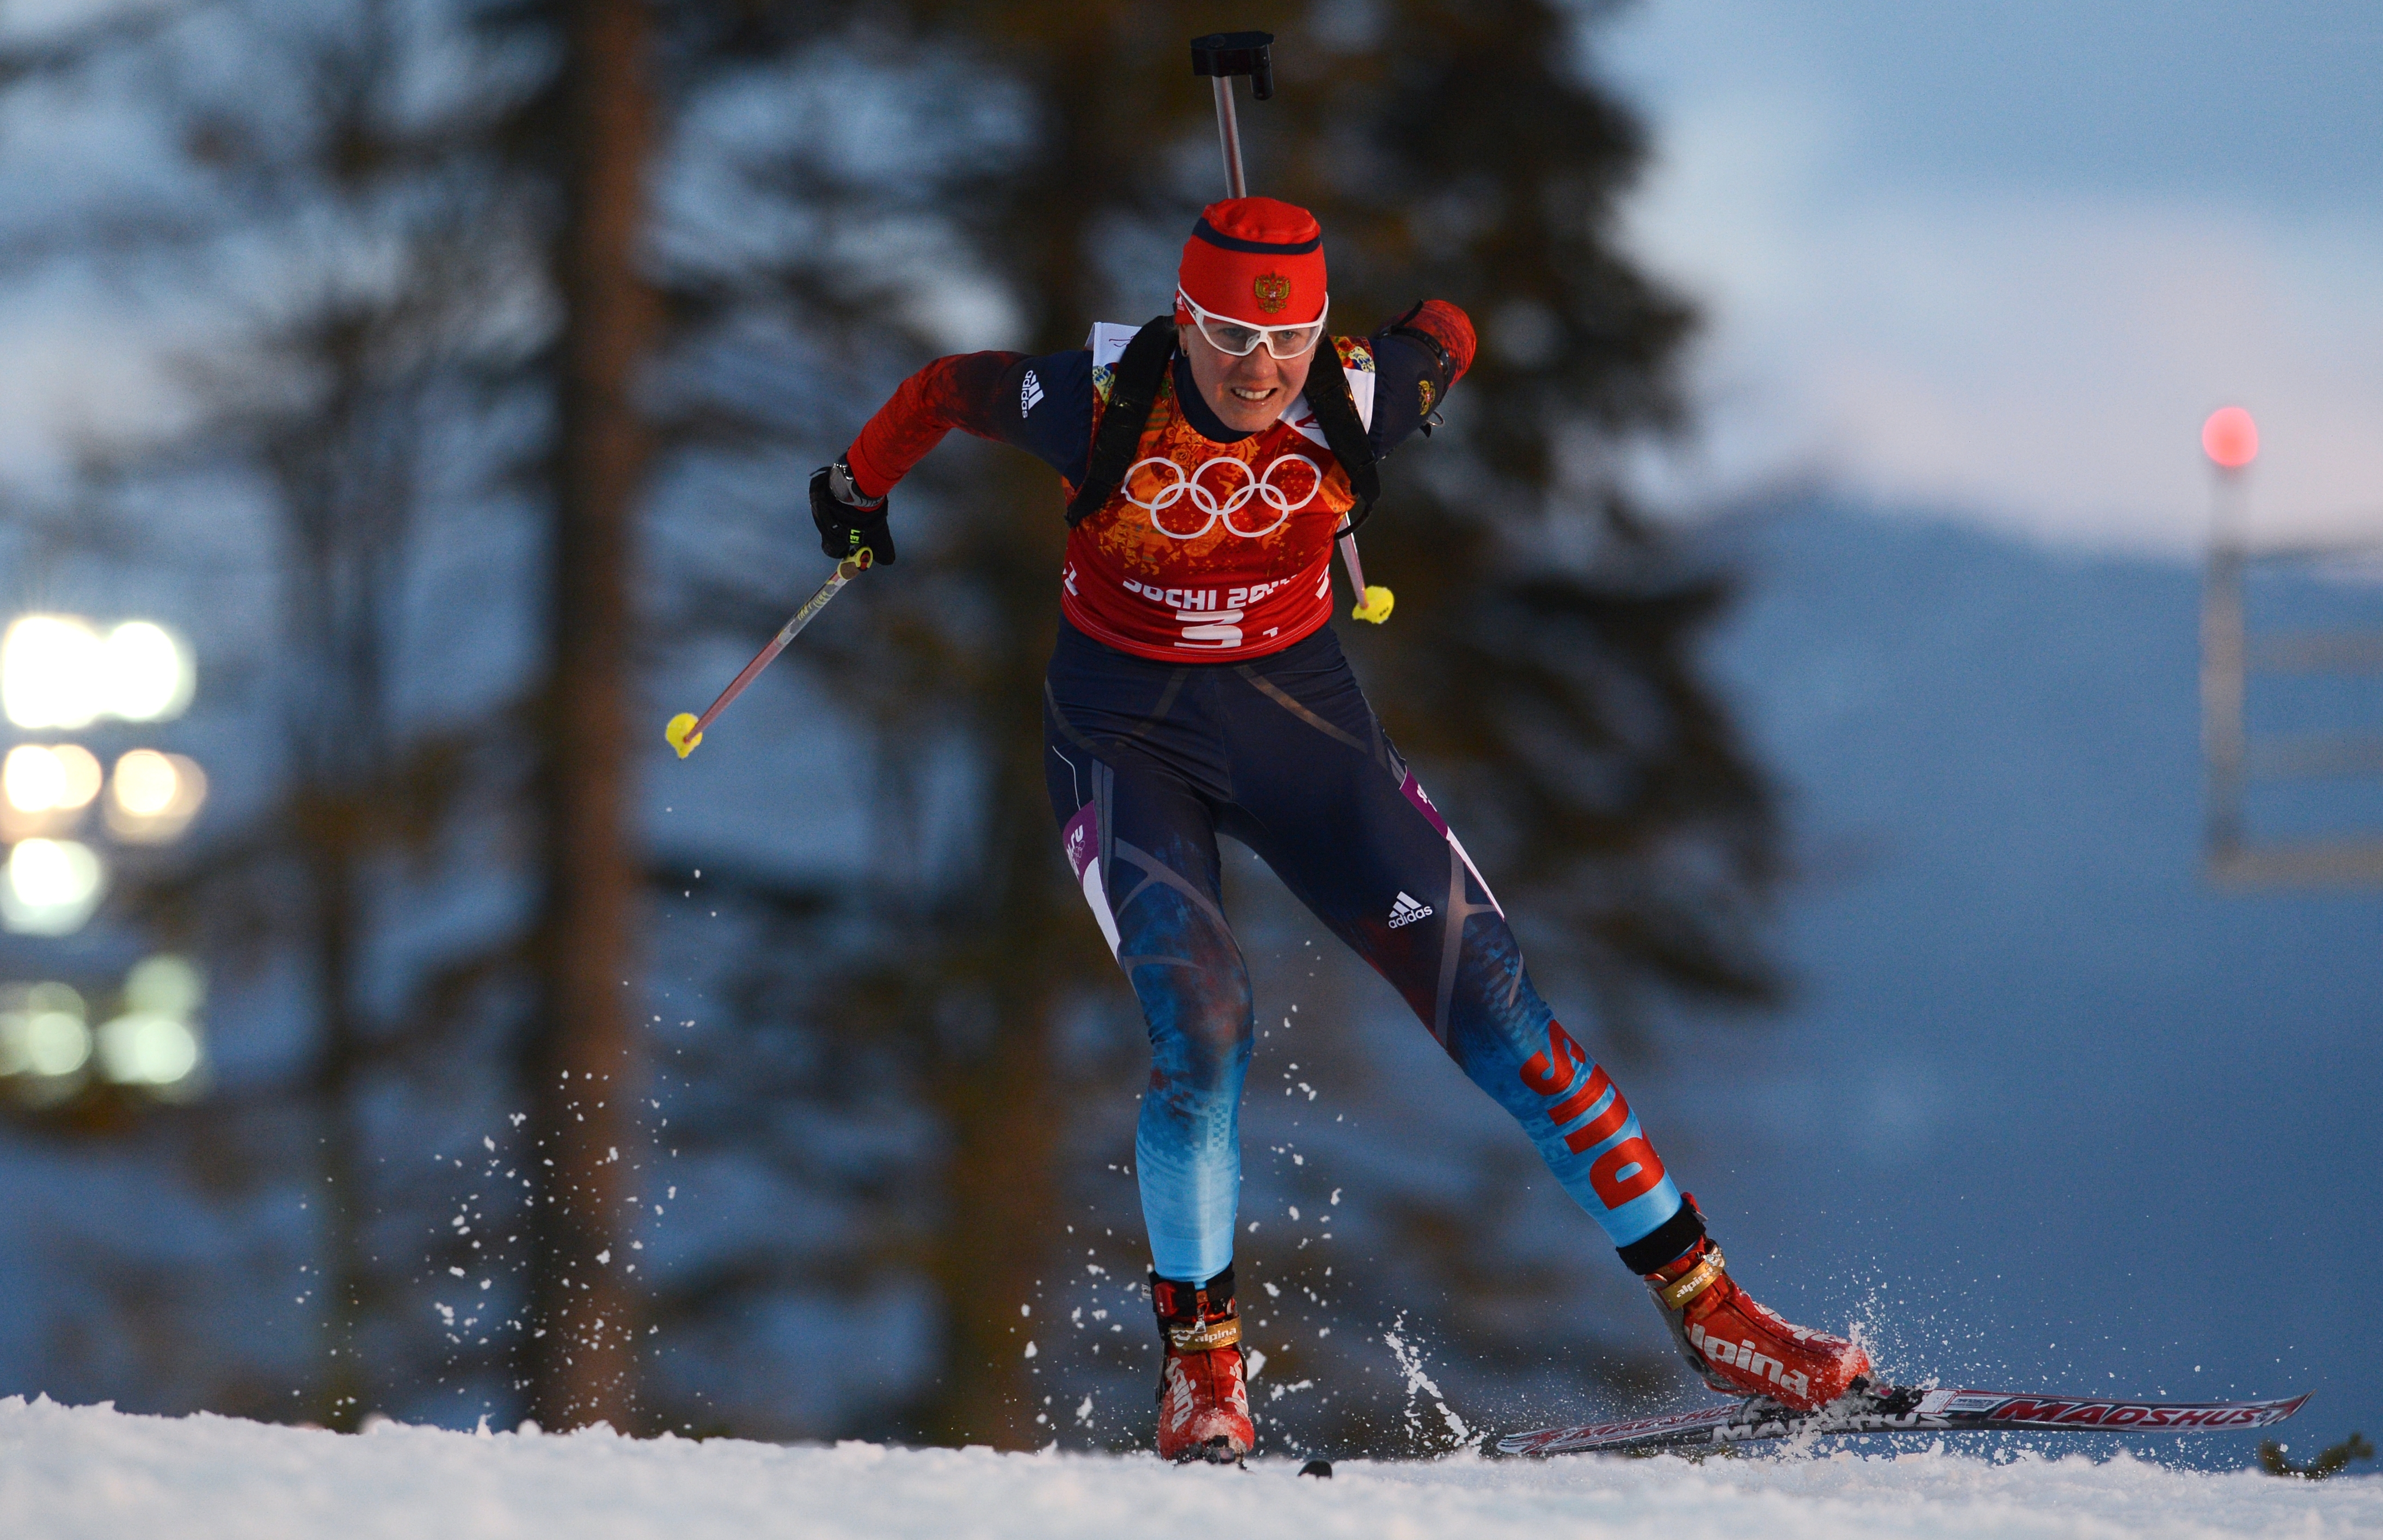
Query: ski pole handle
[685,730]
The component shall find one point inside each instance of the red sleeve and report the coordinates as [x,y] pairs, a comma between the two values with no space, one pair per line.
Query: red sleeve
[1452,328]
[960,392]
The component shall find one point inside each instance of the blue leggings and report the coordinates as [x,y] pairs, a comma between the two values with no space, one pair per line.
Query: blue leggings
[1148,763]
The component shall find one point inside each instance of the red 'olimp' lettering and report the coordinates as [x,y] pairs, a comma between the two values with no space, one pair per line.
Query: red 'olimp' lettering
[1613,1189]
[1598,1129]
[1582,1100]
[1552,1072]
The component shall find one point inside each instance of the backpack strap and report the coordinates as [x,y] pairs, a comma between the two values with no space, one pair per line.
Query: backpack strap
[1134,390]
[1344,433]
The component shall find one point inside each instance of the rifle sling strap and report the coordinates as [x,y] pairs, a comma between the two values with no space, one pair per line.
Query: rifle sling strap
[1134,390]
[1344,435]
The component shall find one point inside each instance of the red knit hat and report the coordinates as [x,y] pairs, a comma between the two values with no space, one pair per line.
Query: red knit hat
[1258,260]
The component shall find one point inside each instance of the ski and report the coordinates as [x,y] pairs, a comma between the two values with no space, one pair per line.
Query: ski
[1903,1408]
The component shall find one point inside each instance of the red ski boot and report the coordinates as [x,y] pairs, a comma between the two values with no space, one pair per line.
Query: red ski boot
[1203,1404]
[1740,1348]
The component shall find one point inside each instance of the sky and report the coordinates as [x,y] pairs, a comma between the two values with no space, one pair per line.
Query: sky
[1990,260]
[2001,259]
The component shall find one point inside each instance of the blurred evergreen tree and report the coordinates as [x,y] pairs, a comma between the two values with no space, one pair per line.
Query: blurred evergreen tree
[925,1040]
[316,212]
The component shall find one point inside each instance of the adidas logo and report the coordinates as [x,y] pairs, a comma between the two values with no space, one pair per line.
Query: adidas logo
[1406,911]
[1029,393]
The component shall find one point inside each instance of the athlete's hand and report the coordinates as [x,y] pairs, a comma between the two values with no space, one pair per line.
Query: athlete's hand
[848,520]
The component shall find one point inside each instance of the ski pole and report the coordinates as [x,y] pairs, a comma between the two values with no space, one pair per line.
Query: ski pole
[1373,604]
[1220,57]
[685,730]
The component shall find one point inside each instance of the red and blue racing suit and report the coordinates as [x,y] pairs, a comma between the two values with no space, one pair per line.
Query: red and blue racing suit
[1198,689]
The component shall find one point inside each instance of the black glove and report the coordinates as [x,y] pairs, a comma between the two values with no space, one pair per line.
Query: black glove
[847,522]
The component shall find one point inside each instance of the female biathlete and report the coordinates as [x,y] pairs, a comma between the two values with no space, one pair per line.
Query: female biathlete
[1198,689]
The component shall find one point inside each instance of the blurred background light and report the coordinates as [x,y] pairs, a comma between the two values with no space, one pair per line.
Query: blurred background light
[144,1048]
[50,887]
[153,797]
[45,788]
[20,1003]
[164,985]
[41,1030]
[145,673]
[33,779]
[49,671]
[58,671]
[153,1043]
[2230,437]
[56,1043]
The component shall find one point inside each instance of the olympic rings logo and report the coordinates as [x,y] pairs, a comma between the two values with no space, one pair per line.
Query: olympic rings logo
[1190,487]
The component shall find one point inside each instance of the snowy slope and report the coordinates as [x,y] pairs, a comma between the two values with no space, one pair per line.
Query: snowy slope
[67,1472]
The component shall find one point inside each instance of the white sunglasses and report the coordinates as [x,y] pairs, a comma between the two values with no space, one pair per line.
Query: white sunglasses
[1239,339]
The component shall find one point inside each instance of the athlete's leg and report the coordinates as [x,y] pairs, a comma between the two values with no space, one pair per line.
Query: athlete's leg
[1143,848]
[1338,815]
[1323,797]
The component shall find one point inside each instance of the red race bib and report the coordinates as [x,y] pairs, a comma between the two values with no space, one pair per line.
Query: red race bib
[1211,551]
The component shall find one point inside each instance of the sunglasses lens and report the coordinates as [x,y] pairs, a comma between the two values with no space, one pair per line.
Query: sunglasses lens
[1292,341]
[1227,337]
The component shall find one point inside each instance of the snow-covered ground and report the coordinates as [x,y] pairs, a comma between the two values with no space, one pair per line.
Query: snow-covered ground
[71,1472]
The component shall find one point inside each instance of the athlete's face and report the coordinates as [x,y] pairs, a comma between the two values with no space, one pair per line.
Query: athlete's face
[1247,392]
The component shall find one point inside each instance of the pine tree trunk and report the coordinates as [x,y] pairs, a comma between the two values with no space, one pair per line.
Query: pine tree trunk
[583,1065]
[340,1280]
[1005,1113]
[1003,1110]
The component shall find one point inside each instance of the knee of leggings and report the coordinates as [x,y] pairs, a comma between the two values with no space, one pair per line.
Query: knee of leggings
[1203,1036]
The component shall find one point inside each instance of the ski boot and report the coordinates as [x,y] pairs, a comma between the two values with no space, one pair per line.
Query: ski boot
[1741,1348]
[1203,1401]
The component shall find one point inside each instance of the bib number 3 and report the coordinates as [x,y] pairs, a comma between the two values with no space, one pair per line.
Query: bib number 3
[1215,630]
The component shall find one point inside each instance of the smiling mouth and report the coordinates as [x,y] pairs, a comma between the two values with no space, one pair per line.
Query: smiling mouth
[1248,395]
